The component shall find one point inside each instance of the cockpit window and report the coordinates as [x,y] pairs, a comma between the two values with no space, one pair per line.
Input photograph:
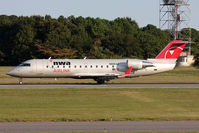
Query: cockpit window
[25,64]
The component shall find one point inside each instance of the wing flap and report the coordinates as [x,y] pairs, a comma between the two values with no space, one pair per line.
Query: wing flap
[93,75]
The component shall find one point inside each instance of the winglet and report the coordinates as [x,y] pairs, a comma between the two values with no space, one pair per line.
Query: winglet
[128,72]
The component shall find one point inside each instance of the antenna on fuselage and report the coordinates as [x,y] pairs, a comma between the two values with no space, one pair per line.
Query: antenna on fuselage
[85,58]
[50,59]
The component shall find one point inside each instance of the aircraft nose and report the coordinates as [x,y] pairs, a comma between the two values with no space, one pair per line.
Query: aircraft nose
[13,72]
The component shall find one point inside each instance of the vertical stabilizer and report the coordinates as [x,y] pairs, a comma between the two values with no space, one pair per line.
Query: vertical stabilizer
[172,50]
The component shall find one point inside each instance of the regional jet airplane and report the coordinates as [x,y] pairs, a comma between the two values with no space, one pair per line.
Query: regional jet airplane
[100,70]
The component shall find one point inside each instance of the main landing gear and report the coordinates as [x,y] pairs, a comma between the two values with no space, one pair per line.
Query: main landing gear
[101,80]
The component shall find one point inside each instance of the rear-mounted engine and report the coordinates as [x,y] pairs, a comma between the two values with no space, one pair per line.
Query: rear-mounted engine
[137,64]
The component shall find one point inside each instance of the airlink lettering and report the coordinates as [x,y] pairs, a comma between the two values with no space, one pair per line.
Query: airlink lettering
[61,70]
[62,63]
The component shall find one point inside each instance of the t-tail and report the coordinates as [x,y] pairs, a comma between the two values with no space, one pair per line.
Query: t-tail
[166,59]
[172,50]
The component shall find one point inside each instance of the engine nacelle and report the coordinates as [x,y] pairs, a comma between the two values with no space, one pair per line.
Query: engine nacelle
[138,64]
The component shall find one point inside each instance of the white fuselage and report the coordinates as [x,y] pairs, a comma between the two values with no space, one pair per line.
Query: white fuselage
[87,68]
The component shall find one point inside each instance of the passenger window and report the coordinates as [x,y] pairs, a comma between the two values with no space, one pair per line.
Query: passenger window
[52,66]
[75,66]
[86,66]
[63,66]
[106,66]
[96,66]
[69,66]
[46,66]
[80,66]
[91,66]
[57,66]
[101,66]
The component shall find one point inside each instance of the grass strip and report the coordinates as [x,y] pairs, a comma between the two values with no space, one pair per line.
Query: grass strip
[81,104]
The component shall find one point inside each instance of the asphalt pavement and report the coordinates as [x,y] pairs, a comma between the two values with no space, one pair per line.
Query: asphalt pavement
[120,126]
[149,85]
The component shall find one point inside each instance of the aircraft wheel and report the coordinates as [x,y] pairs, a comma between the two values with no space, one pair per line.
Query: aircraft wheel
[100,81]
[20,81]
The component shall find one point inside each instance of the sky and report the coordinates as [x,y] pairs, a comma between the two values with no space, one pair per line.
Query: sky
[142,11]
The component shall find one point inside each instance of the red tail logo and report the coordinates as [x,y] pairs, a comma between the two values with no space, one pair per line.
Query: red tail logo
[172,50]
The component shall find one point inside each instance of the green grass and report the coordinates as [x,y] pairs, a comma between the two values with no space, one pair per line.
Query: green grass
[178,75]
[99,104]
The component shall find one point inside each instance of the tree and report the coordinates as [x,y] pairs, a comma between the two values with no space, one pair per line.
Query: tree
[55,52]
[23,38]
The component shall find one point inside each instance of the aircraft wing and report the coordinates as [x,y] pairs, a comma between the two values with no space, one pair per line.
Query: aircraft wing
[93,75]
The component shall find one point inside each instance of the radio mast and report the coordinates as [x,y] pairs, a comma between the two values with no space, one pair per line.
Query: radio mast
[175,17]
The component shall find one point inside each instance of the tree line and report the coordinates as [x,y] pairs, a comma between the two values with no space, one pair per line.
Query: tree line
[23,38]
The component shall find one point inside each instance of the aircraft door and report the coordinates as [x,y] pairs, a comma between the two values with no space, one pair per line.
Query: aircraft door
[40,67]
[33,67]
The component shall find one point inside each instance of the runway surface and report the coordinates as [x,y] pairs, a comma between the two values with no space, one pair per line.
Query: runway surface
[150,85]
[99,126]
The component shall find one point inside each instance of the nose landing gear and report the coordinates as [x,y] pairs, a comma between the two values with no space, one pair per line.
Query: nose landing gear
[20,81]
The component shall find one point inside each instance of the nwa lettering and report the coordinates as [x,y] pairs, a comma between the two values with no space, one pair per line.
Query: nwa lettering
[61,63]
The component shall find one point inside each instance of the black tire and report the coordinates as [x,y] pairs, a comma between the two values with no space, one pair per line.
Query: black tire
[100,81]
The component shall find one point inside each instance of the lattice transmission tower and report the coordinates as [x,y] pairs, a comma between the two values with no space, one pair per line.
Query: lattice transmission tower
[175,17]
